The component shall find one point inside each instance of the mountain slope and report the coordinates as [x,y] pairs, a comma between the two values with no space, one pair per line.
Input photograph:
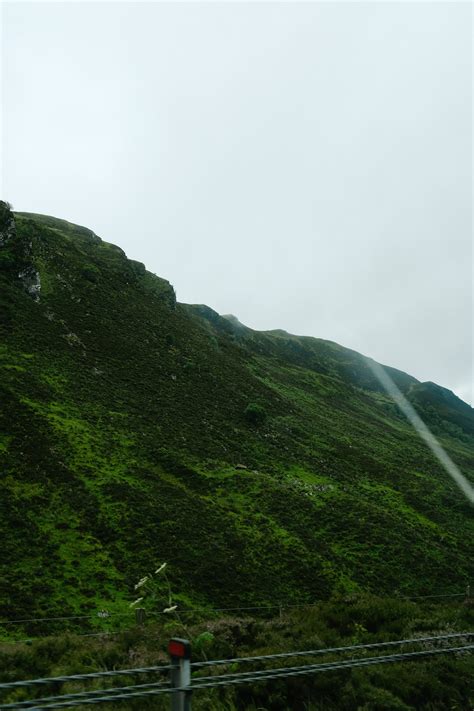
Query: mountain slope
[261,466]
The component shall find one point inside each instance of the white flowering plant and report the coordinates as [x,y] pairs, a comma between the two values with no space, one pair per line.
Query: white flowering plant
[154,592]
[155,597]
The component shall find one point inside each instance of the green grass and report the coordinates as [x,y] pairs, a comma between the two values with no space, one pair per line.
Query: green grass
[124,416]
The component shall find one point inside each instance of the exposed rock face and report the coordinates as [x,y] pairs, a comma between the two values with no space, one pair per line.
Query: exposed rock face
[31,282]
[20,257]
[7,224]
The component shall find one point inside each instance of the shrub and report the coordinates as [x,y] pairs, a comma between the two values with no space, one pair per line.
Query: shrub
[255,414]
[91,273]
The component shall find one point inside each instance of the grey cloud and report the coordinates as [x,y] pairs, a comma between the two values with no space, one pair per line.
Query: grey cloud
[304,166]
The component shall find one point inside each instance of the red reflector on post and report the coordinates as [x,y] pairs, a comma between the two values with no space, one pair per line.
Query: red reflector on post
[179,648]
[176,649]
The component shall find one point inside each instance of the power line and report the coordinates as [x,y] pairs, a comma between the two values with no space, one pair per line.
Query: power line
[104,633]
[67,617]
[208,610]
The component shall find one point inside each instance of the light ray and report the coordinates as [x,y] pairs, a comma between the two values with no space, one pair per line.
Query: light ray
[425,433]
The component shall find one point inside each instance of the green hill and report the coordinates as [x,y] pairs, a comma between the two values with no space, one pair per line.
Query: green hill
[261,466]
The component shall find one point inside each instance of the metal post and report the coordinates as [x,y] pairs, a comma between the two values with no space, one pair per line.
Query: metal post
[180,653]
[140,615]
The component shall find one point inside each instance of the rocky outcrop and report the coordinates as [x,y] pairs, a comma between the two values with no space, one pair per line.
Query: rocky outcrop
[7,224]
[18,253]
[31,282]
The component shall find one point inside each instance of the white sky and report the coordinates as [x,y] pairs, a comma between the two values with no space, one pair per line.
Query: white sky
[305,166]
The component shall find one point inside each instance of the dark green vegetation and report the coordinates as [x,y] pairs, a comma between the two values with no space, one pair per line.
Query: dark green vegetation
[263,467]
[438,684]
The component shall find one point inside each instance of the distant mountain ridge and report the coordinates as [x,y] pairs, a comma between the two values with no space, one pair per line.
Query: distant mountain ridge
[453,409]
[261,466]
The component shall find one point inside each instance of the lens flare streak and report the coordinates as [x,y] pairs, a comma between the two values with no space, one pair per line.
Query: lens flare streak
[426,435]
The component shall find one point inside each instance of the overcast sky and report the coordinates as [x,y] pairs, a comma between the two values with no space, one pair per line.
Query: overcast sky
[305,166]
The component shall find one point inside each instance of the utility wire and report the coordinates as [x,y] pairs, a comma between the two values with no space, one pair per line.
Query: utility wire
[215,609]
[104,633]
[94,615]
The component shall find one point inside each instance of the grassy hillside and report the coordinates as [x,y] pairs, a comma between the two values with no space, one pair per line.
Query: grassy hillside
[261,466]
